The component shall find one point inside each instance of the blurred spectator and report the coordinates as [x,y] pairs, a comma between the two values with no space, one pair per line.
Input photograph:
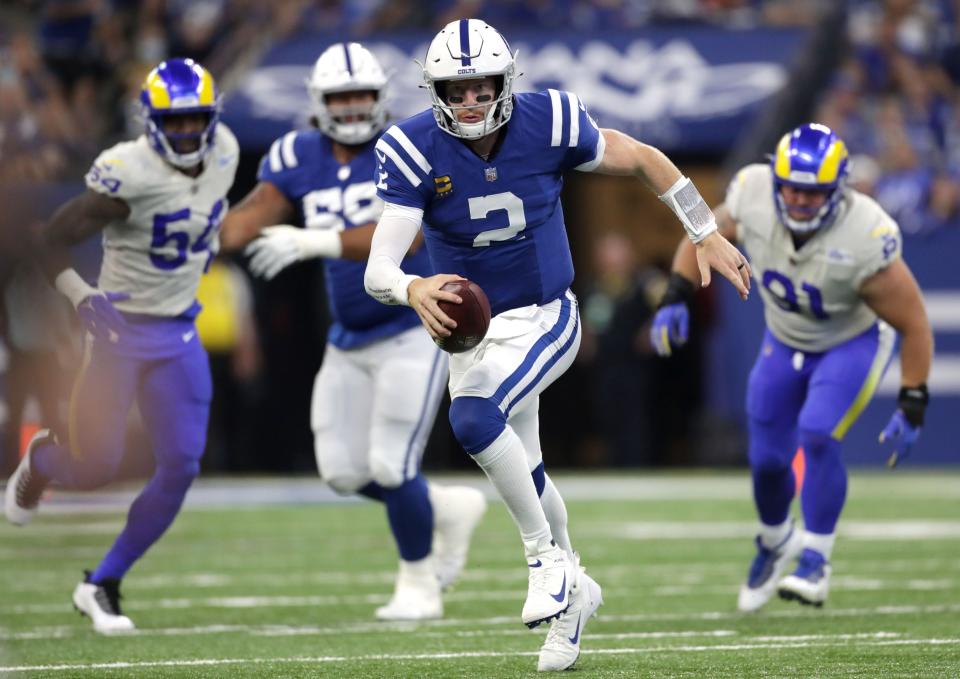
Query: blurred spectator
[894,101]
[38,136]
[618,304]
[38,335]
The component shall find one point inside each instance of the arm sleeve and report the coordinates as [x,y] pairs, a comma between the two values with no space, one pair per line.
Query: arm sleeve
[384,280]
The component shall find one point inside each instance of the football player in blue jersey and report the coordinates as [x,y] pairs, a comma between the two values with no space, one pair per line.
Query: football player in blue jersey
[158,200]
[834,288]
[481,172]
[381,380]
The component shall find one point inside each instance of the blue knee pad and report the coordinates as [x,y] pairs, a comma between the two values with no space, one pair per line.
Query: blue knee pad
[476,422]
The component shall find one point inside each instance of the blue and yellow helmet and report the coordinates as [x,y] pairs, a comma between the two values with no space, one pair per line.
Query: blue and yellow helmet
[178,87]
[814,158]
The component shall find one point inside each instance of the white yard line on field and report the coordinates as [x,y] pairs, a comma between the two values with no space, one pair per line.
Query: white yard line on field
[56,632]
[915,529]
[337,600]
[681,573]
[388,657]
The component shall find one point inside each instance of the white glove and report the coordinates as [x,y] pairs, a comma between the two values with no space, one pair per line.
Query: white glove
[280,246]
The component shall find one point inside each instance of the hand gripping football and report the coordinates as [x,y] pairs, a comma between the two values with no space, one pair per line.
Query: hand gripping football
[472,316]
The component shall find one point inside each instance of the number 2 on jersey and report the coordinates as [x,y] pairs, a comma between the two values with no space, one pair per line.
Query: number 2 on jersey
[785,294]
[481,206]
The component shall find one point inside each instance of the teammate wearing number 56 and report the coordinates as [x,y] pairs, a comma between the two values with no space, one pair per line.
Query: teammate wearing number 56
[481,172]
[158,201]
[381,381]
[833,283]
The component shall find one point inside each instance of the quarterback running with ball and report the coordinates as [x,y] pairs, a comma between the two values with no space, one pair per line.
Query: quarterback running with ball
[481,172]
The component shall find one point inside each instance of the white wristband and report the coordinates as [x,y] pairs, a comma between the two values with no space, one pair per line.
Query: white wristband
[316,243]
[687,203]
[74,287]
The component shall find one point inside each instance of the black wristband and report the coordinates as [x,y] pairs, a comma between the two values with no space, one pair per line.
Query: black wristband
[679,290]
[913,402]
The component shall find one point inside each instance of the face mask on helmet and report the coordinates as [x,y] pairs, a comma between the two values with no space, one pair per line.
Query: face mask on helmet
[468,50]
[810,158]
[181,108]
[348,68]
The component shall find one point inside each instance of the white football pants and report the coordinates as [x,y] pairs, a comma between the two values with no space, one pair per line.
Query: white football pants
[373,409]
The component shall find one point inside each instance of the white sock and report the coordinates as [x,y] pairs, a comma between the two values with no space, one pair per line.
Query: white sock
[421,568]
[505,463]
[773,536]
[556,513]
[819,543]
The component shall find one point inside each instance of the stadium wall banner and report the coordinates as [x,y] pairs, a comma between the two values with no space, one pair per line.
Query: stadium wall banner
[735,341]
[691,89]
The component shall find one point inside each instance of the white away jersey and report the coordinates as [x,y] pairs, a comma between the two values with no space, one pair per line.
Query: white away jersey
[158,253]
[812,297]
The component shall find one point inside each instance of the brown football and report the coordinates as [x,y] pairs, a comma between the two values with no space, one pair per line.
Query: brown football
[472,316]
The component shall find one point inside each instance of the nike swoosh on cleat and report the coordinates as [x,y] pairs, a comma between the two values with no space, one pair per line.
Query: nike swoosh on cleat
[576,637]
[536,565]
[563,590]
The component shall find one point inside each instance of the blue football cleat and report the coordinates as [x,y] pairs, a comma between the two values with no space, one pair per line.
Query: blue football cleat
[810,583]
[765,570]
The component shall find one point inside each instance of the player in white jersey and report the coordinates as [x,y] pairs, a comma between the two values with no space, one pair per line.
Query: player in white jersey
[158,201]
[481,172]
[377,392]
[833,283]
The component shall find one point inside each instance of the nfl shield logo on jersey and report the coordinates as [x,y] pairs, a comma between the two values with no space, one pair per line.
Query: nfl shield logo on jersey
[490,174]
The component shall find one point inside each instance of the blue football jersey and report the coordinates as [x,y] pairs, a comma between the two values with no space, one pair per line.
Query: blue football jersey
[334,196]
[497,222]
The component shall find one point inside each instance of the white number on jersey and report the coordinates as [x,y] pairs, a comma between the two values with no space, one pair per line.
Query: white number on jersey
[481,206]
[326,208]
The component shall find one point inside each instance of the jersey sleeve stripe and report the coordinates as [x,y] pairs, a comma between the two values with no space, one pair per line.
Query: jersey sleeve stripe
[574,119]
[389,151]
[557,134]
[286,150]
[411,150]
[276,165]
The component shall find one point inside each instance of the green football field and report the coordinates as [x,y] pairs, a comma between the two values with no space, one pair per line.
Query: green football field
[280,586]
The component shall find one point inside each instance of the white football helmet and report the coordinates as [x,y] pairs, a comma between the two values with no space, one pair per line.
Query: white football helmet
[348,67]
[464,50]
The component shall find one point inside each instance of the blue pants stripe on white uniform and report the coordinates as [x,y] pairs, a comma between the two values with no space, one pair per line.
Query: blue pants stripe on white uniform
[541,345]
[549,363]
[428,411]
[477,420]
